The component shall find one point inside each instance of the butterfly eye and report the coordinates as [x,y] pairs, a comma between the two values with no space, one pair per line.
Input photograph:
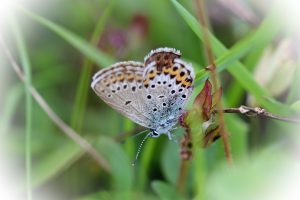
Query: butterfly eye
[155,134]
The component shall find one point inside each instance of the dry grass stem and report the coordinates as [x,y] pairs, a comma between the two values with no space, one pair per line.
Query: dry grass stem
[202,19]
[85,145]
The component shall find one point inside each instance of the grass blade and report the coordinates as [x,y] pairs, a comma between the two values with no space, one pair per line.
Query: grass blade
[122,171]
[80,44]
[235,92]
[28,101]
[12,100]
[236,69]
[84,80]
[53,163]
[165,191]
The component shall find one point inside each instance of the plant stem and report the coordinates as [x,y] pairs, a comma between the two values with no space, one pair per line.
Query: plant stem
[185,154]
[84,144]
[85,74]
[212,68]
[182,175]
[28,102]
[258,112]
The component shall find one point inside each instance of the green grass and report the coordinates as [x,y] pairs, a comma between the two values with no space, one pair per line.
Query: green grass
[236,69]
[22,50]
[59,50]
[83,46]
[84,81]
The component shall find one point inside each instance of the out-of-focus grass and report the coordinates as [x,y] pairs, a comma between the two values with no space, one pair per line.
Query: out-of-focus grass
[88,50]
[237,69]
[24,59]
[84,81]
[62,79]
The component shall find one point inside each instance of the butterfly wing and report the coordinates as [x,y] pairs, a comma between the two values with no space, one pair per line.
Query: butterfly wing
[120,86]
[168,84]
[153,96]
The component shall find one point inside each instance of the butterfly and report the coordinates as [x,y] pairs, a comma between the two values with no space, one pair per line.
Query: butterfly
[152,94]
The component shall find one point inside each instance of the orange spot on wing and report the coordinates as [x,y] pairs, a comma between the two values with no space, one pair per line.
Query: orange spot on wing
[120,77]
[130,76]
[166,69]
[146,82]
[174,72]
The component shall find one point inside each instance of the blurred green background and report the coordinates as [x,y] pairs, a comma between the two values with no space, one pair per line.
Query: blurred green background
[62,43]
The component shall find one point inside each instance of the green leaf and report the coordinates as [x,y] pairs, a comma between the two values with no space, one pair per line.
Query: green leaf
[165,191]
[103,195]
[257,177]
[236,69]
[258,39]
[235,92]
[122,170]
[12,100]
[294,90]
[144,164]
[55,162]
[170,162]
[80,44]
[296,105]
[238,139]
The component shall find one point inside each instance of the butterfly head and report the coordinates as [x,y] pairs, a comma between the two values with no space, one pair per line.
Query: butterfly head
[154,134]
[163,129]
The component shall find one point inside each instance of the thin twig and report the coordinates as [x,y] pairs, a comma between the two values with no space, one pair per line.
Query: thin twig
[212,68]
[86,146]
[182,176]
[258,112]
[185,155]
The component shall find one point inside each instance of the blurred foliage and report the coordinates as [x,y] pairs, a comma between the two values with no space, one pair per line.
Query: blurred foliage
[67,41]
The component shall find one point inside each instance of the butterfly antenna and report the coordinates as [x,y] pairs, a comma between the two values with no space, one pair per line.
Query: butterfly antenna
[140,147]
[140,133]
[133,136]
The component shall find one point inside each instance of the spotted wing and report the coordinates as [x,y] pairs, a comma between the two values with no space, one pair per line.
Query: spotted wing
[168,83]
[120,86]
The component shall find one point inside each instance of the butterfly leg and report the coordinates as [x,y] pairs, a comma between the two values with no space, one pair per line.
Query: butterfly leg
[170,136]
